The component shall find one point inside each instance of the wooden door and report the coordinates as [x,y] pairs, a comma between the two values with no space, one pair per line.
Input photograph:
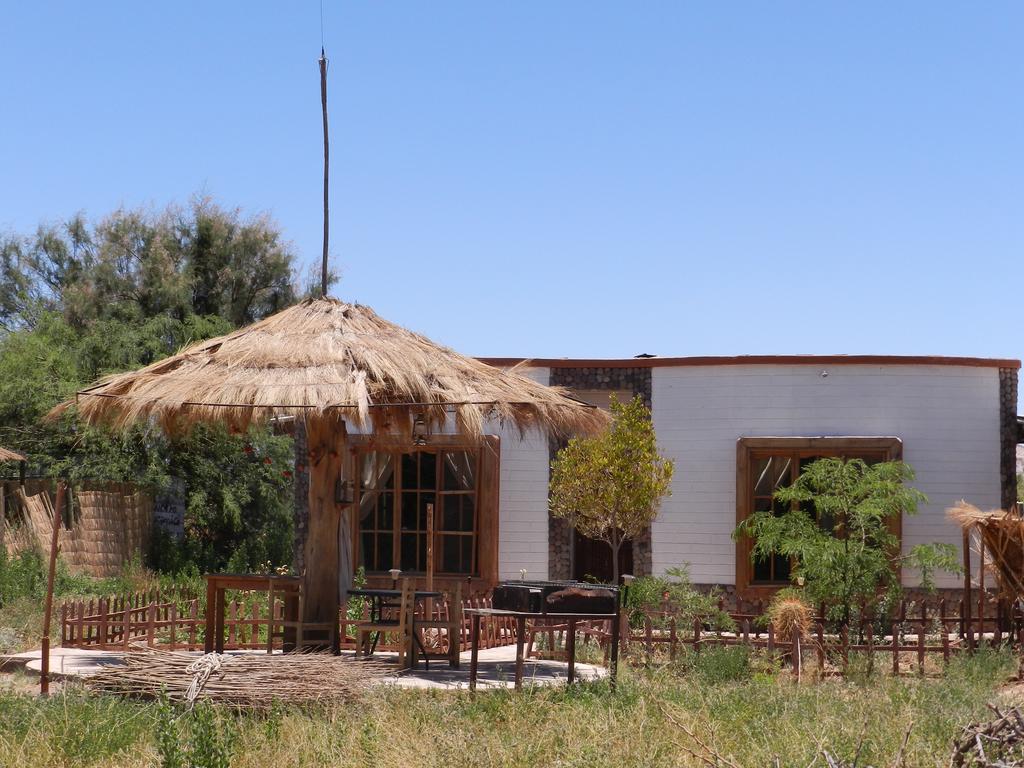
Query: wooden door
[592,559]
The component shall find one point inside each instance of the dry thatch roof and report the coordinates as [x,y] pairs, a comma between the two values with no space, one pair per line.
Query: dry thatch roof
[327,358]
[6,455]
[1003,535]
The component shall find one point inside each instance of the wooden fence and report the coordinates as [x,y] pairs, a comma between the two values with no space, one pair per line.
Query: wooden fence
[913,633]
[177,623]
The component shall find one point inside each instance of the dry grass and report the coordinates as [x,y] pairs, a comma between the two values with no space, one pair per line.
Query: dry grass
[645,723]
[329,359]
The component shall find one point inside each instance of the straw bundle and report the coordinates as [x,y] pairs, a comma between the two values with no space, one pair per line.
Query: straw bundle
[1003,535]
[113,525]
[247,681]
[327,358]
[8,455]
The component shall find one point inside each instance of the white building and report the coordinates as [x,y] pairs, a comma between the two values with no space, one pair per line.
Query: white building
[736,428]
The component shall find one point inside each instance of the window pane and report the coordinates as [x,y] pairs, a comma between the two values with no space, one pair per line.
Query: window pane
[410,471]
[451,511]
[468,512]
[450,554]
[428,470]
[762,570]
[386,511]
[409,510]
[378,470]
[458,471]
[467,554]
[409,562]
[771,473]
[384,553]
[366,552]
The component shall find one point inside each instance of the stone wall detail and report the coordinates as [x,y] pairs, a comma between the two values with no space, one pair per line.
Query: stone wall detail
[636,380]
[1008,435]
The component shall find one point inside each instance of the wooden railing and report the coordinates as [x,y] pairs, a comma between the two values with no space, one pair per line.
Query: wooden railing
[912,633]
[153,619]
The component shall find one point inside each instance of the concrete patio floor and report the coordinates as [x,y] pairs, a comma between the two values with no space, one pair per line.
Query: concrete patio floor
[496,668]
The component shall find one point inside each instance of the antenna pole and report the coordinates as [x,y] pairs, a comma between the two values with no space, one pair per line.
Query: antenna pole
[323,107]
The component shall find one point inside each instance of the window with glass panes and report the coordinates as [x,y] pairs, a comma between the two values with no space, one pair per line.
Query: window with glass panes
[767,464]
[396,492]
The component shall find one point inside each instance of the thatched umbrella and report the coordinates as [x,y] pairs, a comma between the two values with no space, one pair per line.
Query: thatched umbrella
[335,366]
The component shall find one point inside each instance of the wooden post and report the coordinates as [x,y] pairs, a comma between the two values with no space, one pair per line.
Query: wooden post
[520,639]
[895,648]
[44,678]
[474,649]
[211,614]
[967,589]
[570,651]
[328,571]
[428,604]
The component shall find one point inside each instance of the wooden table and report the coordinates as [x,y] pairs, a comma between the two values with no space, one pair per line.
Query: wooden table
[383,598]
[218,583]
[570,639]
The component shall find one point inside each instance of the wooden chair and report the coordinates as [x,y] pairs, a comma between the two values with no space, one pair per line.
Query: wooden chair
[400,623]
[452,625]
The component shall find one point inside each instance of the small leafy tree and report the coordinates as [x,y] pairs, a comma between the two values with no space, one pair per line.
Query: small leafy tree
[838,534]
[610,486]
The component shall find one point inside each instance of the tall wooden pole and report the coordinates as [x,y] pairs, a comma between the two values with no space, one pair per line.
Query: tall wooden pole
[323,109]
[44,679]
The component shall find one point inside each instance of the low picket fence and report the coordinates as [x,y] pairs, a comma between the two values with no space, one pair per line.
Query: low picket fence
[175,622]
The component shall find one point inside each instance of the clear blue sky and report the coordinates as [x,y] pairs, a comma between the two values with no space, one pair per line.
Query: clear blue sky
[567,178]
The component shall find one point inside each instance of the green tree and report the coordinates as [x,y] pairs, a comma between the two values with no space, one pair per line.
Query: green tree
[79,301]
[136,264]
[610,487]
[839,536]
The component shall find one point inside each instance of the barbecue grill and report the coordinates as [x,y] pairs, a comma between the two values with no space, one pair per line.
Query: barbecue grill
[556,597]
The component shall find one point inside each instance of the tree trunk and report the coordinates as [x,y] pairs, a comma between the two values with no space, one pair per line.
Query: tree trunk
[322,578]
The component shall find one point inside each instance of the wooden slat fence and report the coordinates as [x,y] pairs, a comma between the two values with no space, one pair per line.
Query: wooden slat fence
[495,631]
[907,638]
[152,619]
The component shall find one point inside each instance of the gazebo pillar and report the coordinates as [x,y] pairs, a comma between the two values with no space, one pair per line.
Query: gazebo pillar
[326,441]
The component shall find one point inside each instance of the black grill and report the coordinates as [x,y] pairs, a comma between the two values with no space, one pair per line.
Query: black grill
[555,597]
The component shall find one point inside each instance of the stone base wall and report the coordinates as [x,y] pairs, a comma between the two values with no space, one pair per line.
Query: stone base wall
[1008,435]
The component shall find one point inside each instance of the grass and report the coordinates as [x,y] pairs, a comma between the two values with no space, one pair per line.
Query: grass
[746,712]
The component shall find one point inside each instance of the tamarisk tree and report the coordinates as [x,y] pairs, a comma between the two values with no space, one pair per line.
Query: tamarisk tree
[609,487]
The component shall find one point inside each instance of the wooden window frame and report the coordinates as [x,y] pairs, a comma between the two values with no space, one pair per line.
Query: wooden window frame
[485,528]
[749,448]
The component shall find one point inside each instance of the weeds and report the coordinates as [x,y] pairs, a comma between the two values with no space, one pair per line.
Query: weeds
[731,702]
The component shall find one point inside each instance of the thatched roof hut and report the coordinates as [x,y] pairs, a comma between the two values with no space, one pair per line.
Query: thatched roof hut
[327,358]
[334,365]
[1001,535]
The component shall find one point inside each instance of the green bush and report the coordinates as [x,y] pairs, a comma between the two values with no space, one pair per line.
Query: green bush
[674,589]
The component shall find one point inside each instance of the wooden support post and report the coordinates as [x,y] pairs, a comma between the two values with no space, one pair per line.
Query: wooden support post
[520,639]
[895,648]
[44,678]
[211,615]
[570,651]
[328,570]
[968,630]
[151,625]
[474,649]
